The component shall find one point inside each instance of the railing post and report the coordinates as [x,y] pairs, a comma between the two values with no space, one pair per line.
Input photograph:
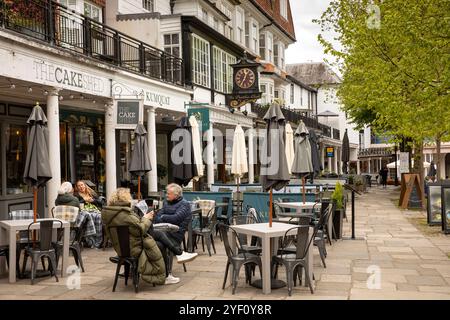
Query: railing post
[87,37]
[163,66]
[117,49]
[141,58]
[50,22]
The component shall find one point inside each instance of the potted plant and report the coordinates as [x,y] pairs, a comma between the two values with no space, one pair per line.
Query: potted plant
[338,214]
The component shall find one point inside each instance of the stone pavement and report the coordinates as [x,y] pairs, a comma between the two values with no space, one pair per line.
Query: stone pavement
[390,259]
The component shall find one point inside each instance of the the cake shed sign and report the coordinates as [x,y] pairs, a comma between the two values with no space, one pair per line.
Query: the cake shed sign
[129,113]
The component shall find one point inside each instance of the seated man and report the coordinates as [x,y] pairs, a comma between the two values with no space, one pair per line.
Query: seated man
[176,211]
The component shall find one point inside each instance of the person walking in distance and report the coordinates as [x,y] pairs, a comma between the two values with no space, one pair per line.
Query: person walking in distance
[384,174]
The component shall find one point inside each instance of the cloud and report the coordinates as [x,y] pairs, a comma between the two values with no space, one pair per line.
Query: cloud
[307,48]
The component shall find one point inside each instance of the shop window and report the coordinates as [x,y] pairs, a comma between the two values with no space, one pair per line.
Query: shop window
[16,147]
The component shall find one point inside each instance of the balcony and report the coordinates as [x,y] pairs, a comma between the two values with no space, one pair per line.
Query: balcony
[296,116]
[61,27]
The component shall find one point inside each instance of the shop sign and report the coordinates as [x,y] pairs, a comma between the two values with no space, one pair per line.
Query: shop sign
[129,113]
[152,98]
[202,116]
[404,162]
[330,152]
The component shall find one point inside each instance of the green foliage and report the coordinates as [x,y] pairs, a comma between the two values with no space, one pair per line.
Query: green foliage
[395,72]
[338,196]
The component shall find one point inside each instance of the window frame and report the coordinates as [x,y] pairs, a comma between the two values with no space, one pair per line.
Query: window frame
[172,45]
[146,3]
[284,9]
[201,60]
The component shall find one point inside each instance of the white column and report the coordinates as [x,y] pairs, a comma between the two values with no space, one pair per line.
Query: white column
[368,166]
[110,149]
[152,175]
[322,156]
[336,161]
[210,156]
[379,164]
[330,169]
[251,174]
[358,167]
[53,148]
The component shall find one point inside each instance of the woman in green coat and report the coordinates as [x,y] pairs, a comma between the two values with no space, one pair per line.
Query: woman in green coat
[119,213]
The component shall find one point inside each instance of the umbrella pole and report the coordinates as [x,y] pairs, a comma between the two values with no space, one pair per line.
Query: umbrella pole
[303,191]
[270,208]
[139,188]
[34,212]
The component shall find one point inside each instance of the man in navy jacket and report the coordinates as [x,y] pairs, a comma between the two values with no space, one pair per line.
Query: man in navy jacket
[176,211]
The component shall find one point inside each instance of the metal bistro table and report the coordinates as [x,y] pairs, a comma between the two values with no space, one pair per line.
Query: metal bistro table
[8,231]
[269,238]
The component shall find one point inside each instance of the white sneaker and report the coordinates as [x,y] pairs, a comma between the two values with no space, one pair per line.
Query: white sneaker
[186,257]
[170,279]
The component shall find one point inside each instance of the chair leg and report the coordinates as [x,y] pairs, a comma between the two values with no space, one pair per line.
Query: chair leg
[43,263]
[80,259]
[184,267]
[226,275]
[127,272]
[322,255]
[308,280]
[203,244]
[212,242]
[52,262]
[119,264]
[208,244]
[33,269]
[289,276]
[135,277]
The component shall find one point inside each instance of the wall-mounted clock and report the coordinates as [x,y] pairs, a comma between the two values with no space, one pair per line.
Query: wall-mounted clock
[245,78]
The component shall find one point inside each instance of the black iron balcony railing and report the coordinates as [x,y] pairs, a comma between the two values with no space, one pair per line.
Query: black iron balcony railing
[295,116]
[59,26]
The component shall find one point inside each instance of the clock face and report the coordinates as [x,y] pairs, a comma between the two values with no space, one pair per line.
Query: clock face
[245,78]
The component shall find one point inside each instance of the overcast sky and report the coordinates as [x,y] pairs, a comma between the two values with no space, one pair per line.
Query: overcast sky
[307,48]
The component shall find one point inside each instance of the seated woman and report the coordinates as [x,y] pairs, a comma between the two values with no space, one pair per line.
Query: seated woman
[90,204]
[65,196]
[86,195]
[142,245]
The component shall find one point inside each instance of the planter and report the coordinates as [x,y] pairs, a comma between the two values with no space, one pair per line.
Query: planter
[338,217]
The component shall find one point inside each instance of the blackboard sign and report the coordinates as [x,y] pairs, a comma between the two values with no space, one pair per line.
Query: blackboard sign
[128,112]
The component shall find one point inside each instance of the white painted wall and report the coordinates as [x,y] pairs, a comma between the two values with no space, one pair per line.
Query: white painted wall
[135,6]
[187,7]
[300,98]
[327,100]
[202,95]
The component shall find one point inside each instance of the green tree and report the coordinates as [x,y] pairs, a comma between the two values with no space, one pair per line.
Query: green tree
[395,57]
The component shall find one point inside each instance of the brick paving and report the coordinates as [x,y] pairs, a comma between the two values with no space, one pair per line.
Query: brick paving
[412,265]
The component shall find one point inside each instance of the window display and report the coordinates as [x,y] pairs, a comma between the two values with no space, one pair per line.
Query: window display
[16,145]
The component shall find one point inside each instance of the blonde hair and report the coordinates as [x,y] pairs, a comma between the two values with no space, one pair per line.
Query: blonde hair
[176,189]
[89,192]
[120,195]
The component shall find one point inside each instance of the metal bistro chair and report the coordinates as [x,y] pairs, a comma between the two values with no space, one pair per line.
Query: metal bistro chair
[206,230]
[70,214]
[41,249]
[124,257]
[22,241]
[237,259]
[297,259]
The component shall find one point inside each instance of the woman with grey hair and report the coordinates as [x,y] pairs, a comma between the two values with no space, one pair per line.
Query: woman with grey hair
[65,196]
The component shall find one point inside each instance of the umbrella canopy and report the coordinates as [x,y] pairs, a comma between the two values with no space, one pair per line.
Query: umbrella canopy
[289,146]
[239,164]
[315,155]
[184,166]
[196,143]
[140,160]
[274,167]
[37,166]
[345,153]
[302,165]
[392,164]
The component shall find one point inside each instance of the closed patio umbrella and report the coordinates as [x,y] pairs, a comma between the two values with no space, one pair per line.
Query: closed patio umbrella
[196,143]
[274,168]
[37,165]
[345,156]
[315,155]
[140,160]
[302,166]
[239,163]
[290,153]
[432,172]
[184,166]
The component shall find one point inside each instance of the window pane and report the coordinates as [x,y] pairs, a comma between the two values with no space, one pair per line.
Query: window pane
[16,145]
[175,38]
[167,39]
[176,51]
